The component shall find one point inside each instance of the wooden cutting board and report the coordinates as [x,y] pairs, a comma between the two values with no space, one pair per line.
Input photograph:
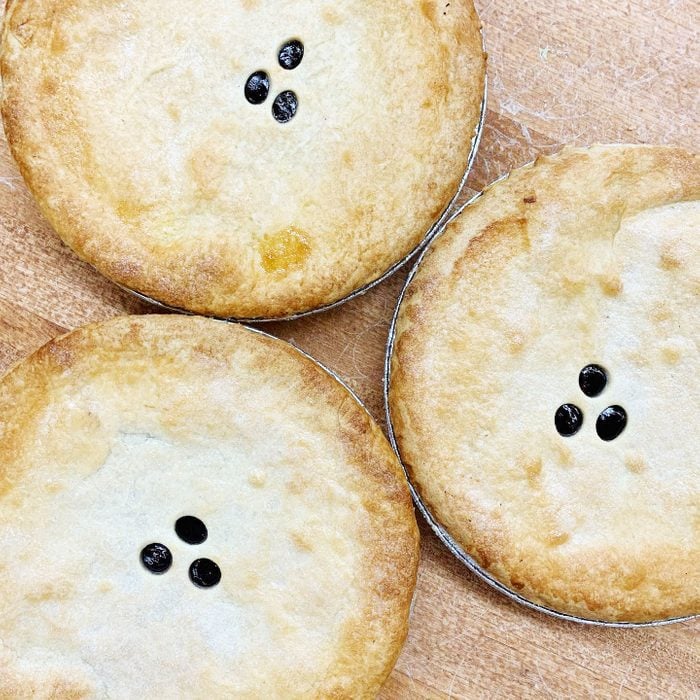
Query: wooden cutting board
[560,71]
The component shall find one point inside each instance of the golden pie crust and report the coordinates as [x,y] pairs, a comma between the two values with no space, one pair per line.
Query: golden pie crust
[129,123]
[588,256]
[111,433]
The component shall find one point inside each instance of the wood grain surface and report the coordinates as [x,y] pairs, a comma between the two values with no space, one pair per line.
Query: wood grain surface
[560,71]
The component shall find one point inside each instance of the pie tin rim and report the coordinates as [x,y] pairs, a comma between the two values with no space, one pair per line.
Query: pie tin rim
[443,535]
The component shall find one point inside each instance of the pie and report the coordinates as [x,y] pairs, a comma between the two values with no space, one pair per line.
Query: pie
[242,158]
[191,508]
[545,382]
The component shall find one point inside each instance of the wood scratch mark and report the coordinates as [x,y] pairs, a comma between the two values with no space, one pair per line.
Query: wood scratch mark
[454,676]
[9,182]
[546,688]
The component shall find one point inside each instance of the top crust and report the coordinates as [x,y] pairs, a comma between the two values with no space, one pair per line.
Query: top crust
[589,256]
[129,124]
[109,434]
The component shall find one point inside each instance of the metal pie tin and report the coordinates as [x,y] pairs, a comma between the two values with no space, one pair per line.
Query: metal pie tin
[441,221]
[431,519]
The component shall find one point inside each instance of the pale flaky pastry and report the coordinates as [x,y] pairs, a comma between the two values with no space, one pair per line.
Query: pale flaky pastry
[545,382]
[111,434]
[133,125]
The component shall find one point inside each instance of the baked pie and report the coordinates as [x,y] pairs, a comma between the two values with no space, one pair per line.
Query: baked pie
[545,382]
[191,508]
[242,158]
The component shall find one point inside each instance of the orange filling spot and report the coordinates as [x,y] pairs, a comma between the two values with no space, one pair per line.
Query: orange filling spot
[285,250]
